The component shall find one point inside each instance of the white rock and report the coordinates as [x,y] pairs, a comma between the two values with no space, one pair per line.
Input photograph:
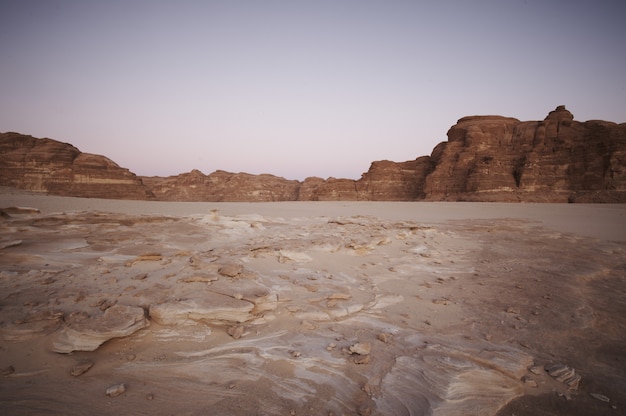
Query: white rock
[87,335]
[116,390]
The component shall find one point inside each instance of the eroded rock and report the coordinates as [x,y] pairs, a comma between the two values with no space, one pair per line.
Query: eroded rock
[116,390]
[88,334]
[81,368]
[210,308]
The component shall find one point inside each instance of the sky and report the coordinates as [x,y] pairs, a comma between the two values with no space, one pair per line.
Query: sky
[297,88]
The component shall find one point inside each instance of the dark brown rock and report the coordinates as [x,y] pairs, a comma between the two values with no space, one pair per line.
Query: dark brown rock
[492,158]
[392,181]
[331,189]
[384,181]
[46,165]
[221,186]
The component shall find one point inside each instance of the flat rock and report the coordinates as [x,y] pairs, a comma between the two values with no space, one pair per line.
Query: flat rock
[116,390]
[564,374]
[231,270]
[211,308]
[87,335]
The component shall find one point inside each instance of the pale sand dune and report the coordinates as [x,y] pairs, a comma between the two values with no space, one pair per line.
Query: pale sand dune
[311,308]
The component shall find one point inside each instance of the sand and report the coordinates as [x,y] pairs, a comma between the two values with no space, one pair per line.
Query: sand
[317,308]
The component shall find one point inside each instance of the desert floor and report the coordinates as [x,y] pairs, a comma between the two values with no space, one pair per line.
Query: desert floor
[311,308]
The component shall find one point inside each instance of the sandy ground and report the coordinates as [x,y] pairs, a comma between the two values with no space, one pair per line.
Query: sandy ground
[311,308]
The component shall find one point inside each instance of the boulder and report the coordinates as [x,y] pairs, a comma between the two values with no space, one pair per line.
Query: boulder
[88,334]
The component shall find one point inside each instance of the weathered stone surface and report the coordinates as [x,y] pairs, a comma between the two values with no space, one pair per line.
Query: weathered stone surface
[210,308]
[46,165]
[88,334]
[564,374]
[361,348]
[35,324]
[81,368]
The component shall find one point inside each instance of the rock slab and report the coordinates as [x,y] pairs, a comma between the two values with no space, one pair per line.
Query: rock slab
[87,335]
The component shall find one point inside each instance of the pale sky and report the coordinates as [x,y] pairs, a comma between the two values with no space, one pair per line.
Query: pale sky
[297,88]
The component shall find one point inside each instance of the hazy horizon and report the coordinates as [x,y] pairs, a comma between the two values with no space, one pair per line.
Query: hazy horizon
[297,89]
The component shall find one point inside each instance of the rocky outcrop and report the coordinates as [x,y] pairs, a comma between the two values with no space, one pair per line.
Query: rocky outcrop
[486,158]
[331,189]
[384,181]
[88,333]
[221,186]
[46,165]
[391,181]
[492,158]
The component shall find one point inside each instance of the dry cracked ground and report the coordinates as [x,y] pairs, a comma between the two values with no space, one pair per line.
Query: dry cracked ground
[113,313]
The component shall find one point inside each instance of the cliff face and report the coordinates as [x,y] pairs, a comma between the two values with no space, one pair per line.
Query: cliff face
[384,181]
[486,158]
[46,165]
[221,186]
[493,158]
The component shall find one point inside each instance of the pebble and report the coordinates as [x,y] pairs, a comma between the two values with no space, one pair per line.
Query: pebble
[600,397]
[564,374]
[116,390]
[81,368]
[384,337]
[235,331]
[361,348]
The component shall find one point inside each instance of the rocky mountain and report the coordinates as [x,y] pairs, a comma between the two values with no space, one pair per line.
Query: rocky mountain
[486,158]
[46,165]
[492,158]
[223,186]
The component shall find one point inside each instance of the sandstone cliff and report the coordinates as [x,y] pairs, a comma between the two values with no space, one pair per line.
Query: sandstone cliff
[486,158]
[492,158]
[221,186]
[46,165]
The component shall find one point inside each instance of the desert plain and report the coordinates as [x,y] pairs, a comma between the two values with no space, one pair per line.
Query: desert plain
[311,308]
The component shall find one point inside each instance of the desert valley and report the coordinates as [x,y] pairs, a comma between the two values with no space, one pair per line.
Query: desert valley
[186,295]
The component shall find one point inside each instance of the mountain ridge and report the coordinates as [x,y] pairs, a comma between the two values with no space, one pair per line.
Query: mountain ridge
[486,158]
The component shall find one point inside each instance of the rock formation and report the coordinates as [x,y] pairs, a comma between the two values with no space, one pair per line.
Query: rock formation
[221,186]
[46,165]
[88,333]
[492,158]
[384,181]
[486,158]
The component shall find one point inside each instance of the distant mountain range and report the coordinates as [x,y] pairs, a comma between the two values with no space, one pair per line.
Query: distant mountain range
[486,158]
